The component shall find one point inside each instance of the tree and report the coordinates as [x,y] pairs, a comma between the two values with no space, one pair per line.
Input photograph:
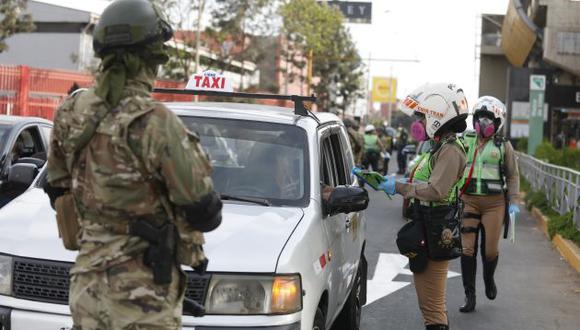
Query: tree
[185,16]
[12,20]
[235,26]
[316,33]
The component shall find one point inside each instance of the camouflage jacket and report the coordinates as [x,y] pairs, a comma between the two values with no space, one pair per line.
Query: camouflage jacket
[105,176]
[356,143]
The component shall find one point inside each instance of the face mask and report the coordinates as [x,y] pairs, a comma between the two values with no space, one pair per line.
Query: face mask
[485,127]
[418,131]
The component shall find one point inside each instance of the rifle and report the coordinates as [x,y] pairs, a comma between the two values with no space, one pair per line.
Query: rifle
[160,256]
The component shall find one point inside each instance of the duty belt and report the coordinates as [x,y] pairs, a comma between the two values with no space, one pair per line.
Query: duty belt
[118,225]
[429,204]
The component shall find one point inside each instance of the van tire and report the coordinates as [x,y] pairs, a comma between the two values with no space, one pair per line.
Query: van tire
[350,315]
[319,321]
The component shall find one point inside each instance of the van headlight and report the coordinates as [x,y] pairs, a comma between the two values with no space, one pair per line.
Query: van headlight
[254,294]
[5,275]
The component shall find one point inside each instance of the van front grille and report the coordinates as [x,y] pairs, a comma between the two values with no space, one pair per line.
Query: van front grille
[48,281]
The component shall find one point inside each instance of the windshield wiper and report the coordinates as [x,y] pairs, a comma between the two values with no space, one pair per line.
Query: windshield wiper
[259,201]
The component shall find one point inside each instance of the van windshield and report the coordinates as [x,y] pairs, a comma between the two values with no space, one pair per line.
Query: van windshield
[256,159]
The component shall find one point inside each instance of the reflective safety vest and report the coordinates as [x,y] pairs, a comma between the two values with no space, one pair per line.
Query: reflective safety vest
[424,167]
[486,178]
[371,142]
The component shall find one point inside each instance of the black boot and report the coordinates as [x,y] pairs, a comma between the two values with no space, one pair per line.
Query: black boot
[437,327]
[468,270]
[488,271]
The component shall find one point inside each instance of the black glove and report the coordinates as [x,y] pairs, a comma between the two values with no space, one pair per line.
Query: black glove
[205,215]
[54,193]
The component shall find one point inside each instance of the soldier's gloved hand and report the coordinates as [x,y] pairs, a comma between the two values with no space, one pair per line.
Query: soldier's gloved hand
[514,209]
[206,214]
[388,186]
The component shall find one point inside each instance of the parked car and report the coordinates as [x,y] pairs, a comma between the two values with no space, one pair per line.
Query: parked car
[23,149]
[289,255]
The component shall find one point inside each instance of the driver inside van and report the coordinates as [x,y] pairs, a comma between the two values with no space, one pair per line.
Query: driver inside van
[18,149]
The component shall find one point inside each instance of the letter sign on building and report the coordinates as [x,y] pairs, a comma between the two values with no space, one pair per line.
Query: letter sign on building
[354,12]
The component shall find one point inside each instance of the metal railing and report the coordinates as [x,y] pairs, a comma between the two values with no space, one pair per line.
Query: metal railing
[560,184]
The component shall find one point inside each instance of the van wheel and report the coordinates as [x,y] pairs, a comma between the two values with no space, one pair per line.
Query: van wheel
[319,322]
[349,317]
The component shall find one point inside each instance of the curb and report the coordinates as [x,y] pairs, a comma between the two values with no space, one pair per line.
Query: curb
[542,220]
[567,249]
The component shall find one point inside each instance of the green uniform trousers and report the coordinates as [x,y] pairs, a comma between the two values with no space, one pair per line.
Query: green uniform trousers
[124,297]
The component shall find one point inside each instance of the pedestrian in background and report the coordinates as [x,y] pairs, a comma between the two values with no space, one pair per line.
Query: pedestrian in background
[139,182]
[490,193]
[402,141]
[431,238]
[356,140]
[372,148]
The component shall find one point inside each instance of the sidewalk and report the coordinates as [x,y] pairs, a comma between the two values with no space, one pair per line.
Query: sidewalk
[537,288]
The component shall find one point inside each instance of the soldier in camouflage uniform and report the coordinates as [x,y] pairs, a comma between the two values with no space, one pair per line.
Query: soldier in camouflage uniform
[128,160]
[356,140]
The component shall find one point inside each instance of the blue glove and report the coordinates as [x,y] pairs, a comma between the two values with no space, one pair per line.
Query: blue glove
[514,209]
[388,186]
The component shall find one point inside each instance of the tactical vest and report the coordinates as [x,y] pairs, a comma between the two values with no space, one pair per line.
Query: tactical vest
[109,164]
[424,167]
[109,185]
[371,142]
[486,178]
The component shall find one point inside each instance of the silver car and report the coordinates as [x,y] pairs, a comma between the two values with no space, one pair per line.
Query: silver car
[290,251]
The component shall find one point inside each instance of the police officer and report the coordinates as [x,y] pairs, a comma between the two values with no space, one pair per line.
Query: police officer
[139,182]
[372,148]
[356,139]
[491,169]
[402,141]
[433,187]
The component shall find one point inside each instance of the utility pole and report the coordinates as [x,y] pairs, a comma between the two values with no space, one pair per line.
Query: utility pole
[390,60]
[200,10]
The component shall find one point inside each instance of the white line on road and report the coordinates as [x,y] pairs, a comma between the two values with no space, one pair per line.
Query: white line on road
[388,267]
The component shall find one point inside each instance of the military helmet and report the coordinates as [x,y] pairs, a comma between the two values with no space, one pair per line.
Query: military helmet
[126,23]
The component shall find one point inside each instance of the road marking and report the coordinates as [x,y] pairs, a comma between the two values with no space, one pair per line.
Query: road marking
[388,267]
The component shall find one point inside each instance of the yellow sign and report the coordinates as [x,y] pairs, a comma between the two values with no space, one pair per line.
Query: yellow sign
[384,90]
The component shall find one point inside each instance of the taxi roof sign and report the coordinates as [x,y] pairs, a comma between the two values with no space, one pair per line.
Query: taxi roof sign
[302,104]
[209,81]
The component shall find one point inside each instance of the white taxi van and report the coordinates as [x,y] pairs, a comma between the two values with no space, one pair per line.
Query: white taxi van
[288,255]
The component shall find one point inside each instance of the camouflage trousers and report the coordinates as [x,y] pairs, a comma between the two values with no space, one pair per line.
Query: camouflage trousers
[125,297]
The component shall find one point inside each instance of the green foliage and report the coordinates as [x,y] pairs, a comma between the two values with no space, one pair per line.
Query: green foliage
[317,31]
[183,15]
[525,185]
[564,225]
[13,21]
[563,157]
[522,144]
[558,224]
[240,25]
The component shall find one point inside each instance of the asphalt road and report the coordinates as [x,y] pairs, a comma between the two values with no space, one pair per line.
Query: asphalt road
[536,288]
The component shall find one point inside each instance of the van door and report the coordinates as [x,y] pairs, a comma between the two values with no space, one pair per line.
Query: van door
[333,174]
[355,230]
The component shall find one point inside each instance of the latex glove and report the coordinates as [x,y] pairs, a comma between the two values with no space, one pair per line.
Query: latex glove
[388,186]
[514,209]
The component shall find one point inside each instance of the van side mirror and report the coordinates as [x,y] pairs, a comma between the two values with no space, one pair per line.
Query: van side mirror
[22,175]
[347,199]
